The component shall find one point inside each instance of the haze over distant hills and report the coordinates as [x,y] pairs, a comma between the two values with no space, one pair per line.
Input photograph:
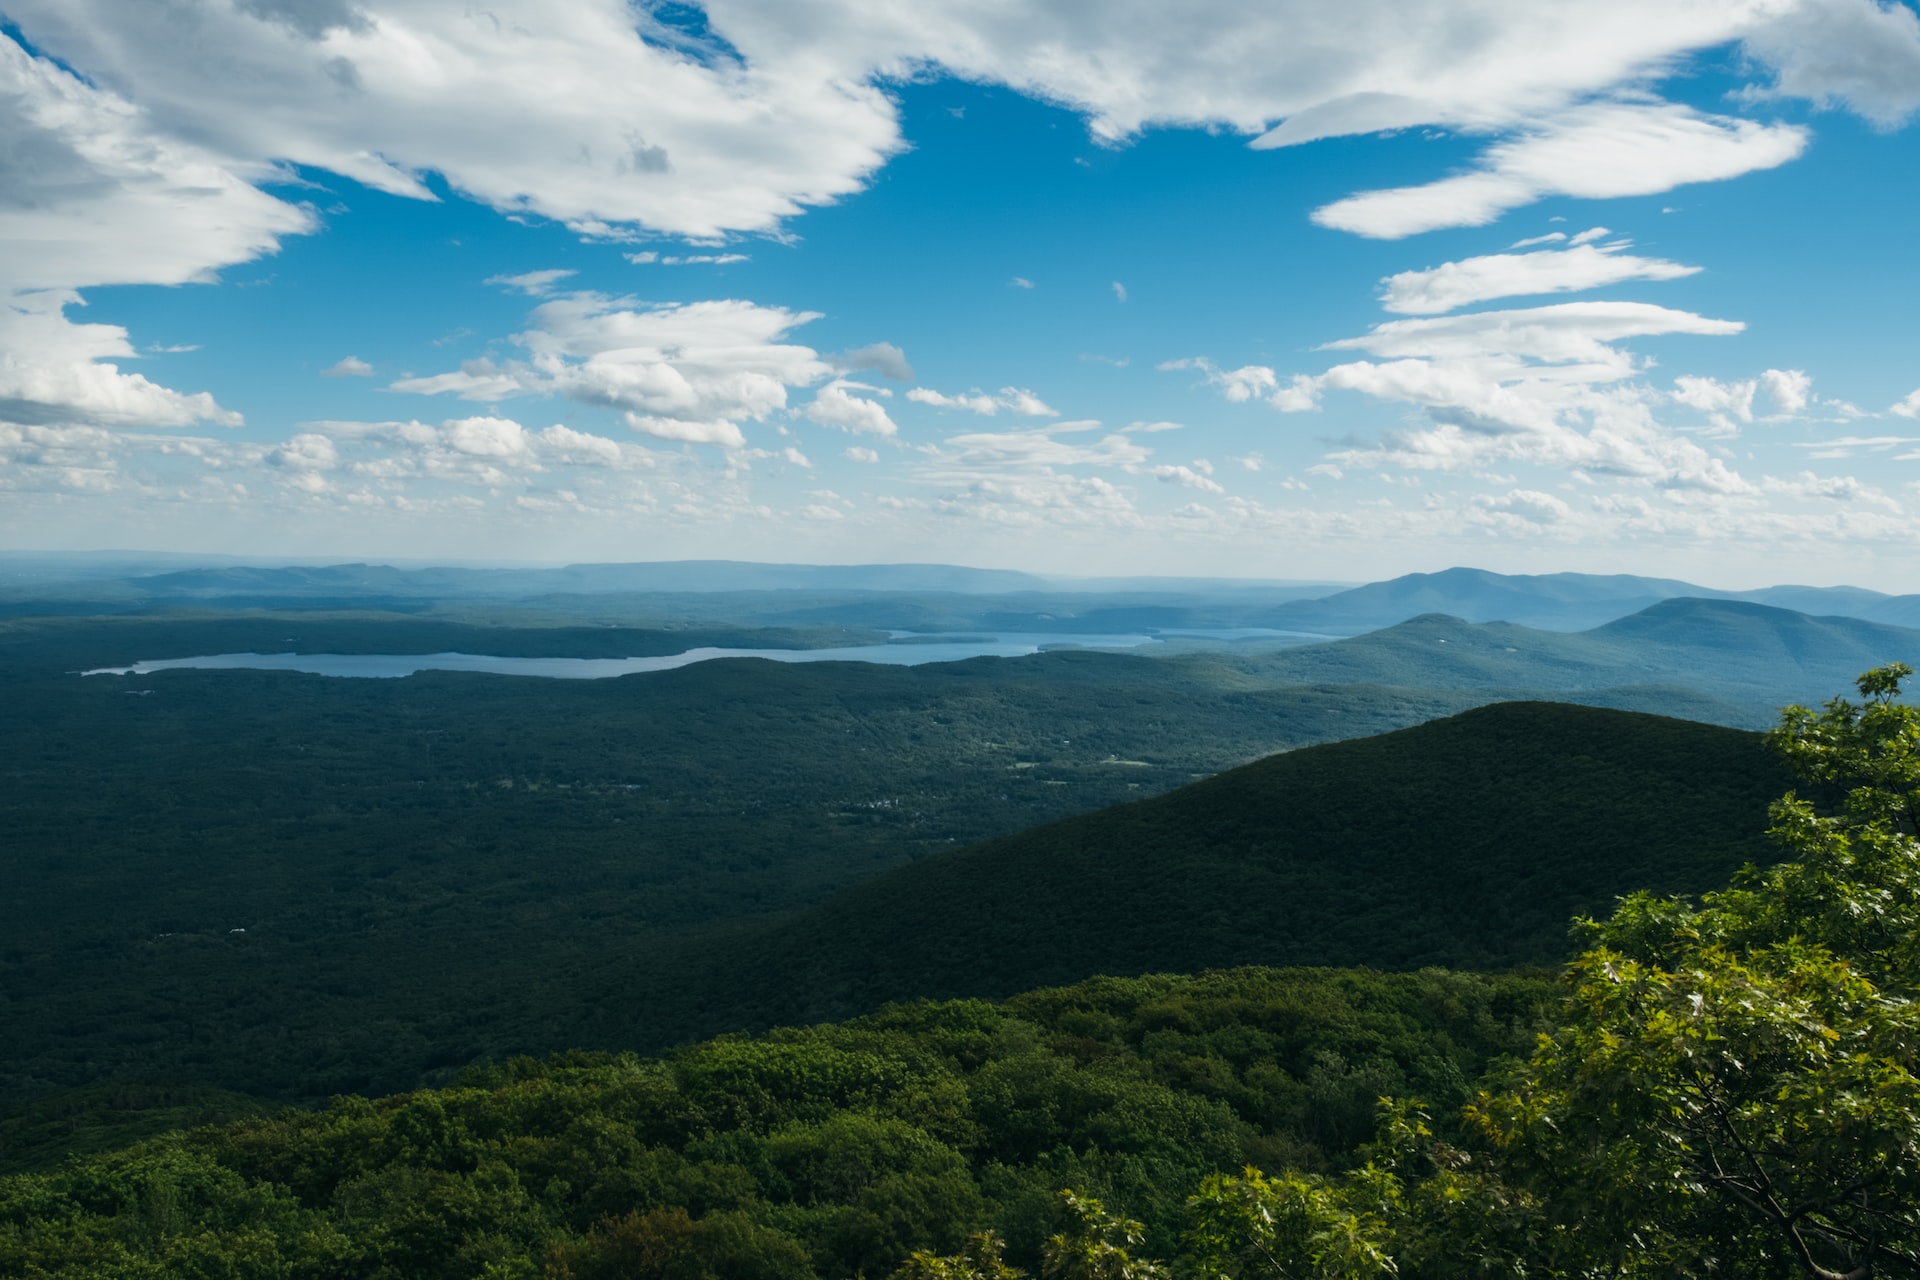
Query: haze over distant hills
[899,596]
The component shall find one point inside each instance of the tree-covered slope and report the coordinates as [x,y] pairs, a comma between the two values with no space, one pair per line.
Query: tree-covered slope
[832,1151]
[419,865]
[1465,842]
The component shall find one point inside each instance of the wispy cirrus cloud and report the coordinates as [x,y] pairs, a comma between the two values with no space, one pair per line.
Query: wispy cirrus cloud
[1580,267]
[1593,151]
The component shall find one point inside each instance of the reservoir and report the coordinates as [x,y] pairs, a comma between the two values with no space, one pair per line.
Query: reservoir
[906,650]
[916,650]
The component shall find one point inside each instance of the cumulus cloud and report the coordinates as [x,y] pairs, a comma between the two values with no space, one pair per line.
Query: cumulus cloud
[857,453]
[1360,67]
[1908,406]
[1789,389]
[306,451]
[1863,54]
[835,405]
[1723,402]
[1594,151]
[1526,510]
[644,134]
[1538,384]
[101,199]
[55,371]
[348,367]
[1584,265]
[1013,399]
[689,372]
[1188,477]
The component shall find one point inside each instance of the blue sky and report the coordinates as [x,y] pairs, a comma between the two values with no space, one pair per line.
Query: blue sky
[1231,289]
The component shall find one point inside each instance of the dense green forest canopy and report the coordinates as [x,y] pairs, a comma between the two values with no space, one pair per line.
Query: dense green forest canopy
[1466,842]
[423,868]
[293,886]
[830,1151]
[1721,1086]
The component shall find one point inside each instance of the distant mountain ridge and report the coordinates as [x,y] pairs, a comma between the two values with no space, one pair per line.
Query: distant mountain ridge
[915,596]
[1743,653]
[1561,601]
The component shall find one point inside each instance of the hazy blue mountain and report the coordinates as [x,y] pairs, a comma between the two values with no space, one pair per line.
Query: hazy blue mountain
[1748,654]
[900,596]
[1556,601]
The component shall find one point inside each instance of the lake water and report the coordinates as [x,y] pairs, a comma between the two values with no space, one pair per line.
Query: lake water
[913,652]
[904,650]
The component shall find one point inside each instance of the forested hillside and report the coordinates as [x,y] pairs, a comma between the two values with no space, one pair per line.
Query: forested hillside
[1466,842]
[1715,1086]
[833,1151]
[294,886]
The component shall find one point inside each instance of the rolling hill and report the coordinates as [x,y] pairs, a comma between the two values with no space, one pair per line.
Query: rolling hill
[1466,842]
[1750,655]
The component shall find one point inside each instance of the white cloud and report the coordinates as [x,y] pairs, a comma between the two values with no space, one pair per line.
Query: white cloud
[974,403]
[835,406]
[106,198]
[306,451]
[1789,389]
[1238,385]
[690,372]
[1562,333]
[1188,477]
[1035,449]
[579,448]
[535,284]
[94,197]
[55,371]
[1908,406]
[857,453]
[1359,67]
[1504,275]
[642,134]
[1850,446]
[1519,510]
[486,437]
[1013,399]
[650,256]
[1119,291]
[1021,282]
[1594,151]
[348,367]
[1538,385]
[1724,402]
[1860,53]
